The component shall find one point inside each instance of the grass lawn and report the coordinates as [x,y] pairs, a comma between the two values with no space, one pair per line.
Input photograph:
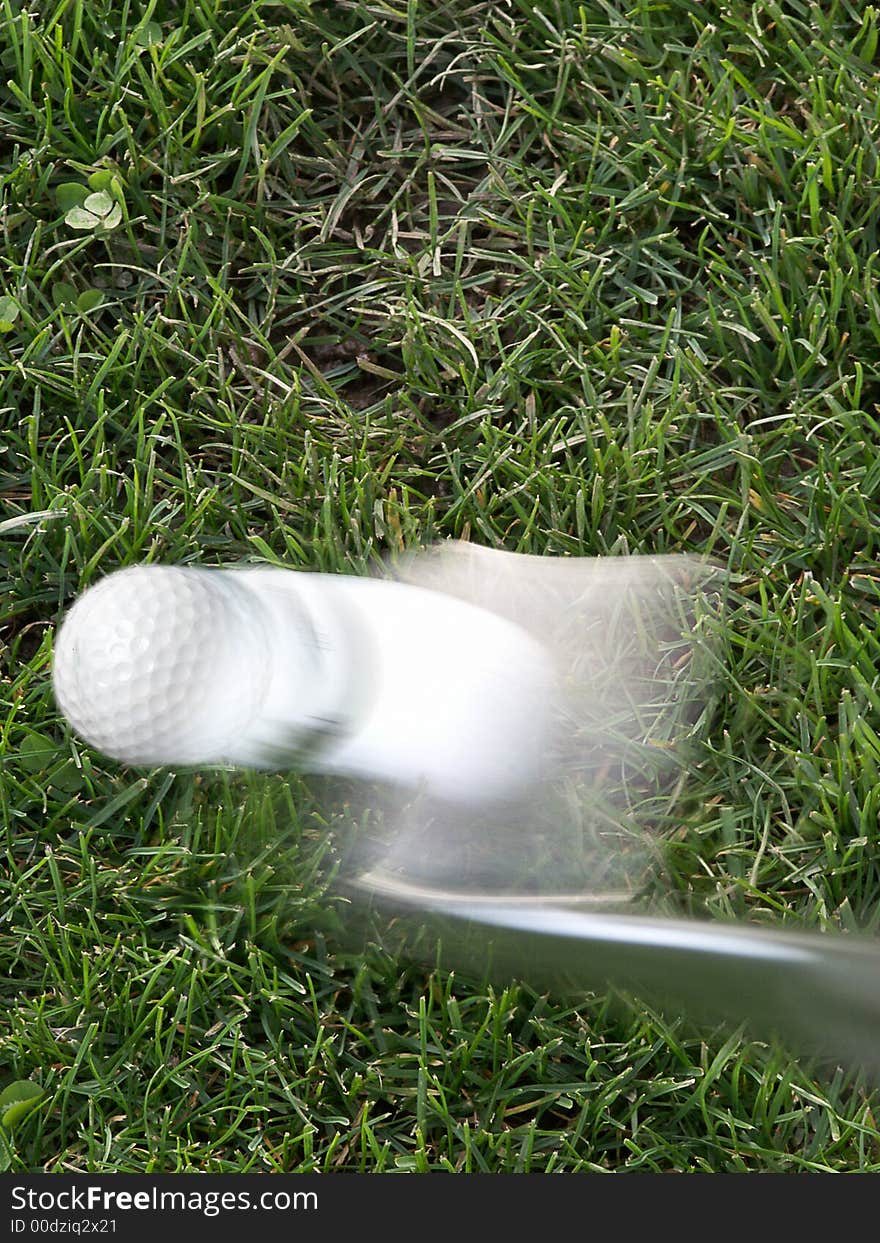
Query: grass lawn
[300,283]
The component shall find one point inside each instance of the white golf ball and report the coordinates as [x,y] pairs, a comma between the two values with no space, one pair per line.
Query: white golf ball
[156,663]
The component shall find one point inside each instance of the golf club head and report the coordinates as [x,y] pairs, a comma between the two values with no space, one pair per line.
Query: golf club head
[563,887]
[629,644]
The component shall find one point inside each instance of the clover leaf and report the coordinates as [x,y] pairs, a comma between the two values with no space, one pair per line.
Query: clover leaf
[99,213]
[17,1100]
[9,313]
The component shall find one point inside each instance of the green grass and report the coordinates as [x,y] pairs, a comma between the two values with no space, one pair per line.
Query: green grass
[563,279]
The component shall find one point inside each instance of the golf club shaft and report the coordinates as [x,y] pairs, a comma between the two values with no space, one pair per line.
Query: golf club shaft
[818,992]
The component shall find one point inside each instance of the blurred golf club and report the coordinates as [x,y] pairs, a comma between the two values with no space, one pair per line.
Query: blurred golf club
[564,888]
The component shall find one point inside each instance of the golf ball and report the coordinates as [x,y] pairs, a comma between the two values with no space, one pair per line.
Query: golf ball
[156,662]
